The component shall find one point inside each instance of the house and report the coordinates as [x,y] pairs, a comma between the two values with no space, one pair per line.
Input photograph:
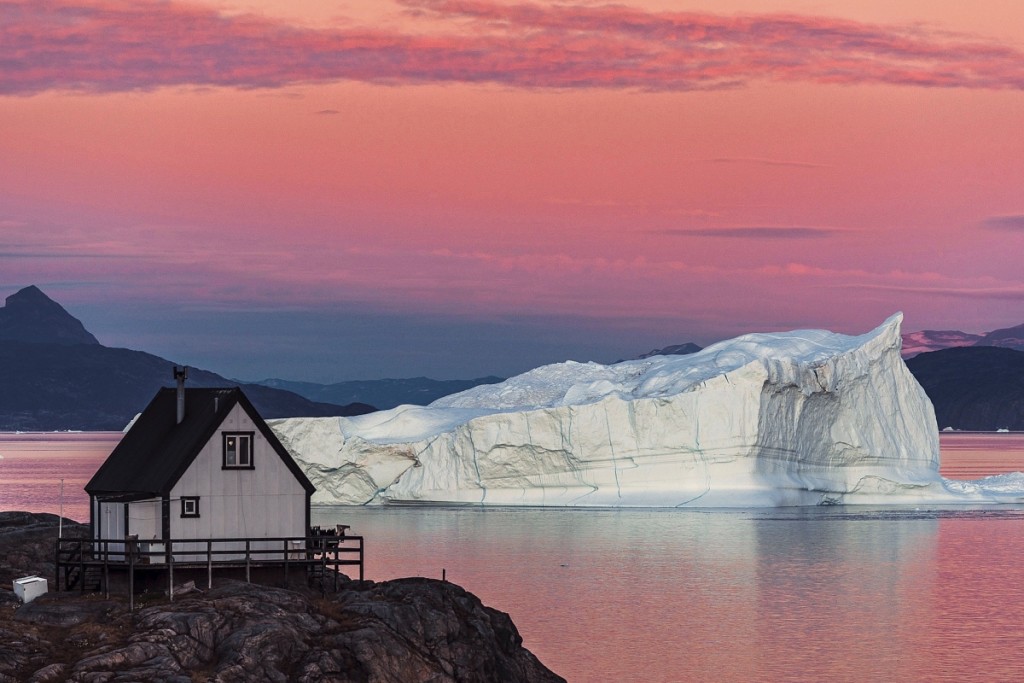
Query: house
[198,464]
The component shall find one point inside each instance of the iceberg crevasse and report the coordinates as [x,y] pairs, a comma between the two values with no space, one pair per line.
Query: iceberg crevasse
[794,418]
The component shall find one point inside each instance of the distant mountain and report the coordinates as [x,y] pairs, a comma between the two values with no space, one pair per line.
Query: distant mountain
[934,340]
[976,388]
[53,383]
[383,393]
[676,350]
[1008,337]
[56,376]
[31,316]
[419,391]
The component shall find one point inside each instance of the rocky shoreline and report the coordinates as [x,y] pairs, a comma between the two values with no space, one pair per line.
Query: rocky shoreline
[397,631]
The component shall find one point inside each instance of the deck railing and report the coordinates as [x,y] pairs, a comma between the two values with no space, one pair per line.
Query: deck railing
[86,563]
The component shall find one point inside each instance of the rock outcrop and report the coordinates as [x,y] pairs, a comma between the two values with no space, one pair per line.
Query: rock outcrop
[27,543]
[393,632]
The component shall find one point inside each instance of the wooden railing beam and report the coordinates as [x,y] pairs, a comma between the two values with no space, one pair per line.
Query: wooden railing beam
[76,559]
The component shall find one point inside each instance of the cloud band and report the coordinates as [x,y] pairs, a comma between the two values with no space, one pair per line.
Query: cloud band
[113,45]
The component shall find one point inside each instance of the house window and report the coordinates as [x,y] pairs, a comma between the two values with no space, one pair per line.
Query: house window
[190,506]
[238,450]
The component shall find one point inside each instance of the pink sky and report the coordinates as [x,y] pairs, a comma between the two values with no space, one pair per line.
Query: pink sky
[649,172]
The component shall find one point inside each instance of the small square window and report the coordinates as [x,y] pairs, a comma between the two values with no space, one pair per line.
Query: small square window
[190,506]
[238,450]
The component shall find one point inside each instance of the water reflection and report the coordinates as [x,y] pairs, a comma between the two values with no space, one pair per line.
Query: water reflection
[836,593]
[974,629]
[663,595]
[975,455]
[33,465]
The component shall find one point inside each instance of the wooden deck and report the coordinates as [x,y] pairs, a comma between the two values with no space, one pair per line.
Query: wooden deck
[87,564]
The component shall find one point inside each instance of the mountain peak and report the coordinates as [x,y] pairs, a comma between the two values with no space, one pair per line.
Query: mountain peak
[28,297]
[31,316]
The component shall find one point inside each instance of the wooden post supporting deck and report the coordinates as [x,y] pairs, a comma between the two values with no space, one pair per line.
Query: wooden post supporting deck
[129,547]
[323,567]
[170,572]
[81,569]
[209,565]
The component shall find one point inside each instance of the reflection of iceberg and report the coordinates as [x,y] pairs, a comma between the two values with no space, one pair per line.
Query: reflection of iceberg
[806,417]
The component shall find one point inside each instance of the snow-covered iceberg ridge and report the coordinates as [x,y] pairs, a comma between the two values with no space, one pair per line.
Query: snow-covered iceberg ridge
[796,418]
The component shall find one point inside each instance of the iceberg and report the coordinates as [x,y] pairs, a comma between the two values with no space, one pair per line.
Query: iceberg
[808,417]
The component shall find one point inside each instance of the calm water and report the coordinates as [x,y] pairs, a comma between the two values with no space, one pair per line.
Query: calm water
[797,594]
[978,454]
[33,465]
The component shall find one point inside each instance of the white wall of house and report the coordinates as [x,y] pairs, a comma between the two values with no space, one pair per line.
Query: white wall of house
[143,521]
[263,502]
[144,518]
[109,525]
[109,520]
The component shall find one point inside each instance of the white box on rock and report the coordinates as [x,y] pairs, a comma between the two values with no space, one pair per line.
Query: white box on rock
[29,588]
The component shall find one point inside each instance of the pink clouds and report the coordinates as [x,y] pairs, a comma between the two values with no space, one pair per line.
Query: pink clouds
[108,46]
[1010,223]
[604,170]
[755,233]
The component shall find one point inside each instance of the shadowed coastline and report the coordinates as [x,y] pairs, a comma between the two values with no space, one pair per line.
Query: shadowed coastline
[406,630]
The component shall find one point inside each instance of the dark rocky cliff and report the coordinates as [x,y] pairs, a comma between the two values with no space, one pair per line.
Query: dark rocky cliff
[399,631]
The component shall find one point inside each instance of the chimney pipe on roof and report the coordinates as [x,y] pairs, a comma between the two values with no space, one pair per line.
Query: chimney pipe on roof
[180,375]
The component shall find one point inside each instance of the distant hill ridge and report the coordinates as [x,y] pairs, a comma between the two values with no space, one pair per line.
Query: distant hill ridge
[388,393]
[58,376]
[674,350]
[1008,337]
[973,388]
[936,340]
[383,393]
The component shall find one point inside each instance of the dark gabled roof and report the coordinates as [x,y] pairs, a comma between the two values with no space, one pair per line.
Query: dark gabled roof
[156,451]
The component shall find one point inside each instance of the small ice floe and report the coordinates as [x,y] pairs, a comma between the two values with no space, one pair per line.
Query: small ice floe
[1004,488]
